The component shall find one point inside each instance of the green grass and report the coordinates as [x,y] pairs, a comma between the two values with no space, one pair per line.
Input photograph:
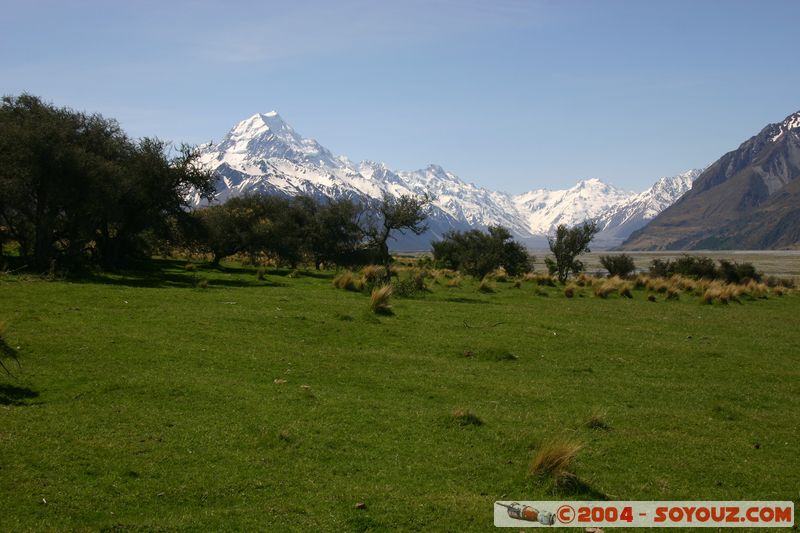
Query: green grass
[145,402]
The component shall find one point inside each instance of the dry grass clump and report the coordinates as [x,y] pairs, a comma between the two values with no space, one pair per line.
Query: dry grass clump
[711,294]
[640,281]
[348,281]
[190,267]
[570,289]
[625,290]
[486,286]
[756,290]
[657,284]
[779,291]
[540,279]
[610,286]
[597,420]
[202,284]
[462,417]
[260,273]
[517,284]
[373,273]
[554,458]
[673,293]
[498,274]
[651,297]
[380,300]
[454,282]
[683,283]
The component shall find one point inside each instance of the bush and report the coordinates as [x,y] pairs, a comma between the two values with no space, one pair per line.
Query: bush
[478,253]
[737,272]
[618,265]
[660,268]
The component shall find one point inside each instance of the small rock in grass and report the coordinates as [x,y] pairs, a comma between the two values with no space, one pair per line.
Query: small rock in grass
[361,505]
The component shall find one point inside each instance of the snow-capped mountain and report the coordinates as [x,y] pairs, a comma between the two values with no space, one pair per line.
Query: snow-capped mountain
[263,154]
[618,222]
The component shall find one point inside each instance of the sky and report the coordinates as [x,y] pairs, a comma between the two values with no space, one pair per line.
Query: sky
[510,95]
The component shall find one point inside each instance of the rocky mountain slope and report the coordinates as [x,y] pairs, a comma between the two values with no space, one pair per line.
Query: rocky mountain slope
[748,199]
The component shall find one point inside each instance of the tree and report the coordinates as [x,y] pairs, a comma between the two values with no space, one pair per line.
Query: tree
[74,188]
[407,212]
[566,245]
[477,253]
[335,236]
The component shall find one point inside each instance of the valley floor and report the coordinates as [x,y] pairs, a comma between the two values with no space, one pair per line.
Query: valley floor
[145,402]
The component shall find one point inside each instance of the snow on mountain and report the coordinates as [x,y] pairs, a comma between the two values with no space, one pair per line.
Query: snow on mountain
[263,154]
[589,199]
[622,219]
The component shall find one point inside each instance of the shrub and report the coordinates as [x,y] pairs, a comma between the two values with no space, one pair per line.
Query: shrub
[478,253]
[737,272]
[696,267]
[660,268]
[618,265]
[379,301]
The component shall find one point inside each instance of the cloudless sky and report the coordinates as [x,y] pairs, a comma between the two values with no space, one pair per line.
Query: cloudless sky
[508,94]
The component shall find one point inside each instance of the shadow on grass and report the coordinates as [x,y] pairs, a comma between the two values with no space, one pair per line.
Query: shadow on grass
[572,486]
[466,301]
[171,273]
[13,395]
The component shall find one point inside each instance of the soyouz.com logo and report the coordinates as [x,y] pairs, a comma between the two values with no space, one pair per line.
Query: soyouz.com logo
[643,514]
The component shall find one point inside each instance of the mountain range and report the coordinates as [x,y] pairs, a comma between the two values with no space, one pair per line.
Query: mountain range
[749,199]
[264,154]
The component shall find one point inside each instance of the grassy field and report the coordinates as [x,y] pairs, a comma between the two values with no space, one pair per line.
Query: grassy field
[144,402]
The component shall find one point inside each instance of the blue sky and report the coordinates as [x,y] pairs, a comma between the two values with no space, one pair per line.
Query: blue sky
[511,95]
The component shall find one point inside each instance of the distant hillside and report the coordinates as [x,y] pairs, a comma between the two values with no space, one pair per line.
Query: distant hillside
[748,199]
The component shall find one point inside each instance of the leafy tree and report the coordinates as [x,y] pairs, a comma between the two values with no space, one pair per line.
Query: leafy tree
[75,188]
[620,265]
[336,236]
[406,213]
[477,253]
[566,245]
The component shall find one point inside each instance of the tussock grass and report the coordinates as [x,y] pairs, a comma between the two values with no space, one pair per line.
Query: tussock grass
[673,293]
[570,289]
[348,281]
[541,279]
[625,289]
[190,267]
[260,274]
[371,274]
[651,297]
[463,417]
[202,284]
[380,300]
[554,458]
[498,274]
[597,419]
[454,282]
[486,286]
